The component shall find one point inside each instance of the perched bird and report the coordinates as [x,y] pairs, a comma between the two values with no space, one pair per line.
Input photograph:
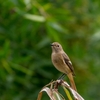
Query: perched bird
[62,62]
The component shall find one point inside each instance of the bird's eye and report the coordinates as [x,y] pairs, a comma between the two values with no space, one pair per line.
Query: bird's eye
[57,45]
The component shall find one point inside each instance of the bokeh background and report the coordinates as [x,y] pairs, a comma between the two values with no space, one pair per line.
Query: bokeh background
[27,27]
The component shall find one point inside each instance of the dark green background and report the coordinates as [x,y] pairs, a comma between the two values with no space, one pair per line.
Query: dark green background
[27,27]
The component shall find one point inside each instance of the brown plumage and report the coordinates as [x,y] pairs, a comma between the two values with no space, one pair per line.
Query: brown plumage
[62,62]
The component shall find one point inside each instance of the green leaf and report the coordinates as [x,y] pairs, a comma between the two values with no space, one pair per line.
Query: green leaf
[67,93]
[36,18]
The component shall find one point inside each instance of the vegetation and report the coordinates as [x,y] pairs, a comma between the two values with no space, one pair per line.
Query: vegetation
[27,27]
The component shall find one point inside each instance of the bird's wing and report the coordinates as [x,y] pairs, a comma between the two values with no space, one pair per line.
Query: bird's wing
[68,62]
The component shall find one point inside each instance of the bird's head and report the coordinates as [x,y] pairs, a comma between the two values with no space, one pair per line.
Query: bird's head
[56,47]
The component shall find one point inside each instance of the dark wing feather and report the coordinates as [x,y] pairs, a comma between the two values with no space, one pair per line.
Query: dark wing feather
[68,62]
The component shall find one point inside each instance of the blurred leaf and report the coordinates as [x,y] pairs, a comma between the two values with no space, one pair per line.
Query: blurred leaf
[20,68]
[57,27]
[36,18]
[7,67]
[45,41]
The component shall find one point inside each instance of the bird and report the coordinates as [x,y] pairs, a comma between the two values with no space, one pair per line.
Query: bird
[62,62]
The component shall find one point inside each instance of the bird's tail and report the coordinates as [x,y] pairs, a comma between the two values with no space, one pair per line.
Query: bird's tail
[70,76]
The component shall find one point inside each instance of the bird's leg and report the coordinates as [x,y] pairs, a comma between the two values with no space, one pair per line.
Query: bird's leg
[61,77]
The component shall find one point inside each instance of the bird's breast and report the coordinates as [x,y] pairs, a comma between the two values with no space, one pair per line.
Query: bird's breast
[58,62]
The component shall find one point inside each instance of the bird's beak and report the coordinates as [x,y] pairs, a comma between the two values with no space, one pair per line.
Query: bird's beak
[51,44]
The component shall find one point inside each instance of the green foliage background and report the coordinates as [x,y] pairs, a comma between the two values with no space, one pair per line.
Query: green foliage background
[27,27]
